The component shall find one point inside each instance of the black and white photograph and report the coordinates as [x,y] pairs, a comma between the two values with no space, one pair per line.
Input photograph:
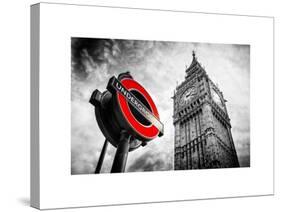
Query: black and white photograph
[146,105]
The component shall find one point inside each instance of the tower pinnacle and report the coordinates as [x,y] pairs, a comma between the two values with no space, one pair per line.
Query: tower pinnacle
[193,53]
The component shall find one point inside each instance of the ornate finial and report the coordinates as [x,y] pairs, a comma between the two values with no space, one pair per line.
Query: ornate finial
[193,53]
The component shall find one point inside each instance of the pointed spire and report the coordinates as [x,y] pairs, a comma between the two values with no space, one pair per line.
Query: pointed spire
[193,64]
[193,53]
[194,56]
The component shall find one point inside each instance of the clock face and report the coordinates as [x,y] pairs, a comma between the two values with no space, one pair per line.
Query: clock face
[187,95]
[217,98]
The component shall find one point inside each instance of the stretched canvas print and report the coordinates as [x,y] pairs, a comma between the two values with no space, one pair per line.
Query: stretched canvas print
[201,90]
[144,105]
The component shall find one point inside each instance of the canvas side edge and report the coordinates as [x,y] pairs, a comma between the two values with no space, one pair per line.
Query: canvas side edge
[34,106]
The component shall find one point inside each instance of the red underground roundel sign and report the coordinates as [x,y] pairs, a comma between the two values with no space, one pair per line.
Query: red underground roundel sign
[137,107]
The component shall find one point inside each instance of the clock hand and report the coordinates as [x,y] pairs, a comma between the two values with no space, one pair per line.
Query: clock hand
[190,94]
[187,95]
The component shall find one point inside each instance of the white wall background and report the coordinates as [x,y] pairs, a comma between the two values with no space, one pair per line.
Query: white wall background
[14,109]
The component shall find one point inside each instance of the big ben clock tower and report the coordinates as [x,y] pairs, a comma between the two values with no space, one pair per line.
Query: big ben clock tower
[203,136]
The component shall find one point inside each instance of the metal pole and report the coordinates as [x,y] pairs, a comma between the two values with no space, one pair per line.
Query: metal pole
[120,159]
[102,154]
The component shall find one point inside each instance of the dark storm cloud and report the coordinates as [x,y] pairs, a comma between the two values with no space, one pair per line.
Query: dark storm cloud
[158,66]
[90,54]
[152,161]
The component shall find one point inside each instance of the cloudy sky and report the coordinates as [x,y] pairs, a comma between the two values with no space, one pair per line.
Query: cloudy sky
[94,61]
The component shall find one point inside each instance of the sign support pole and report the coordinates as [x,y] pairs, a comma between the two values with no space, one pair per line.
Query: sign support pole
[102,154]
[120,159]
